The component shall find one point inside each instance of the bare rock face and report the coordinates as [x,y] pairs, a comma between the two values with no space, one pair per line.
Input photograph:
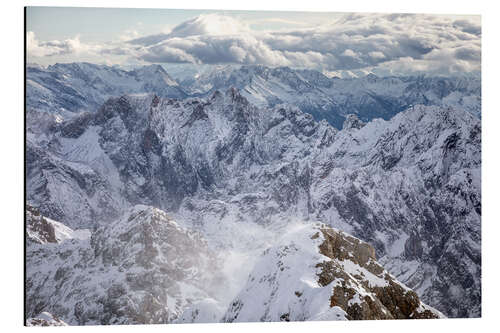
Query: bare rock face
[38,229]
[389,299]
[320,273]
[352,122]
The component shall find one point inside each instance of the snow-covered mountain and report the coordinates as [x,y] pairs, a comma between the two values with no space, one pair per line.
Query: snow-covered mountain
[241,174]
[333,99]
[70,88]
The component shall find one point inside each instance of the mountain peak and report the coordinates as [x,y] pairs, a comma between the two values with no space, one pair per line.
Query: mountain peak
[352,122]
[235,95]
[153,68]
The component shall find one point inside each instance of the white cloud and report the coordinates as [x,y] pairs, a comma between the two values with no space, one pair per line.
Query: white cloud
[41,49]
[70,46]
[349,53]
[376,55]
[209,24]
[395,43]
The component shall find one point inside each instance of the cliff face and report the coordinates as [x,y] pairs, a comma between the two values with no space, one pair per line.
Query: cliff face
[319,273]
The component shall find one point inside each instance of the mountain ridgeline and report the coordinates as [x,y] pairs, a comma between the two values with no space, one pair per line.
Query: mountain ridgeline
[67,89]
[242,168]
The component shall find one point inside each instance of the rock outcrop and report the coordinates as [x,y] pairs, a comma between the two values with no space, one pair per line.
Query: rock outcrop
[318,273]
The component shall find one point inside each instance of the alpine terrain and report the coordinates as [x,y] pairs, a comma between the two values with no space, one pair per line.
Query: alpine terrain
[250,193]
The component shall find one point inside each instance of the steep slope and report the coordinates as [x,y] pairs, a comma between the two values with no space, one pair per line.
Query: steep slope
[72,191]
[141,269]
[240,174]
[415,195]
[319,273]
[161,151]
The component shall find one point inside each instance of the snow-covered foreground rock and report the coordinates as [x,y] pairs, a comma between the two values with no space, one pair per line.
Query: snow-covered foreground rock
[240,175]
[145,269]
[319,273]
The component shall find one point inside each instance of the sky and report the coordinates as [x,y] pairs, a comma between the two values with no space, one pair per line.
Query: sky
[385,44]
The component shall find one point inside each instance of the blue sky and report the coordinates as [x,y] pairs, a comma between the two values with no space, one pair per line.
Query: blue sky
[331,42]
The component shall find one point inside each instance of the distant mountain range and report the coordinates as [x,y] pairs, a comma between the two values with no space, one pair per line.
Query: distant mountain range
[68,89]
[76,87]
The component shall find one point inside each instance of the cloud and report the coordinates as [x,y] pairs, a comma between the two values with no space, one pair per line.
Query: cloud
[376,55]
[73,49]
[468,27]
[210,24]
[41,49]
[349,53]
[202,25]
[71,46]
[236,49]
[392,43]
[165,53]
[411,43]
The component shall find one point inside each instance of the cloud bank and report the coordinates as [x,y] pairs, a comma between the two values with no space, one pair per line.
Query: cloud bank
[385,43]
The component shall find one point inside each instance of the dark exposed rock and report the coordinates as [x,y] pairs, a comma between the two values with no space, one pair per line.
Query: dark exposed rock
[352,121]
[45,319]
[37,228]
[351,284]
[392,301]
[413,247]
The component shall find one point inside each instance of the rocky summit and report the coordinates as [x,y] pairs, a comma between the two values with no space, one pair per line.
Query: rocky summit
[318,273]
